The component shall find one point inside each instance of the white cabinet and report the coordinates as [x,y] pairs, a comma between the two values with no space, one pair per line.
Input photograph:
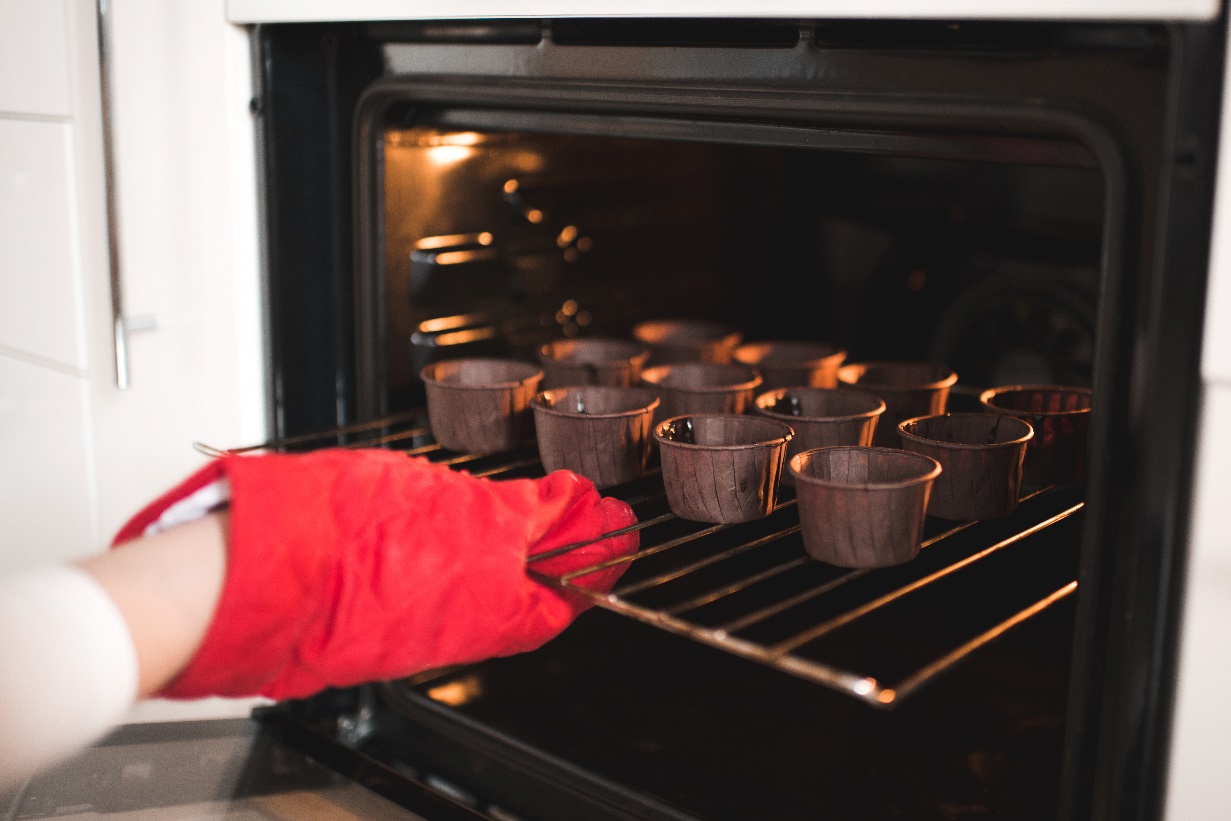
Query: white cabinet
[34,63]
[46,470]
[40,314]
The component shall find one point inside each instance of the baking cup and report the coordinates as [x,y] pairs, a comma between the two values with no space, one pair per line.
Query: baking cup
[909,389]
[480,405]
[822,417]
[1060,416]
[700,387]
[789,364]
[722,468]
[981,454]
[687,340]
[862,507]
[614,362]
[600,432]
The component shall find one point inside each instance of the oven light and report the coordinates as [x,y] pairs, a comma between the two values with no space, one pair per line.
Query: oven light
[461,138]
[443,155]
[457,692]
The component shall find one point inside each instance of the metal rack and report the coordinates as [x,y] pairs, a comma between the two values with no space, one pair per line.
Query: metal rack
[750,590]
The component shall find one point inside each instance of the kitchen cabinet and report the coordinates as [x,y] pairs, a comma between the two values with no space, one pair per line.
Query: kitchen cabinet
[41,314]
[184,224]
[46,472]
[34,59]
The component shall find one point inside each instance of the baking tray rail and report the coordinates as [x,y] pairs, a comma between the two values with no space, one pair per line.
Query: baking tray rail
[750,589]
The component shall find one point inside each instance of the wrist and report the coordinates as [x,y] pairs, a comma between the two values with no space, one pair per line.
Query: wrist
[166,588]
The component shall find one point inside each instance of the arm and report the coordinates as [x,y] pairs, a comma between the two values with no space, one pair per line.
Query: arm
[327,570]
[166,587]
[79,644]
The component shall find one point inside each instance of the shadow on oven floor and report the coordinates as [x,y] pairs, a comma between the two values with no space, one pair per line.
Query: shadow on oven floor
[618,720]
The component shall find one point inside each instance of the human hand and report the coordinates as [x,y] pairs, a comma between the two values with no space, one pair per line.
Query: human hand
[347,566]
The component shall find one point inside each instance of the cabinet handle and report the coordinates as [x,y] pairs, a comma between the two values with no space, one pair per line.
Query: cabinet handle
[111,212]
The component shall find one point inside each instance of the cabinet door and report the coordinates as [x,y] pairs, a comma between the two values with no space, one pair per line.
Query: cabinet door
[46,493]
[34,57]
[40,290]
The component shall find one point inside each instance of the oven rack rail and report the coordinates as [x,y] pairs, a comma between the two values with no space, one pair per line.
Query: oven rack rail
[685,576]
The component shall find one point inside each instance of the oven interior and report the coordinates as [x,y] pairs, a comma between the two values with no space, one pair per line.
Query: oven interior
[496,242]
[994,201]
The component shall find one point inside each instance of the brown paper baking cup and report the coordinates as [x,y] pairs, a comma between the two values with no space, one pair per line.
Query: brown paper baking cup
[822,417]
[1060,416]
[720,468]
[862,507]
[981,456]
[909,389]
[696,387]
[480,405]
[687,340]
[600,432]
[614,362]
[789,364]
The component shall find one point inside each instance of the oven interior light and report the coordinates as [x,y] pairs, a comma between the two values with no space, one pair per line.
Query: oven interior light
[444,155]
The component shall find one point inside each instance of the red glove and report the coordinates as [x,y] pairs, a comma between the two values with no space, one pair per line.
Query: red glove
[346,566]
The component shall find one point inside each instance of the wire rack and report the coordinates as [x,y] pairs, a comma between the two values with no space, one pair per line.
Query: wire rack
[750,589]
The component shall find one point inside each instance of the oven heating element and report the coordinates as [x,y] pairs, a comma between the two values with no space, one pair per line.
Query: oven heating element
[750,589]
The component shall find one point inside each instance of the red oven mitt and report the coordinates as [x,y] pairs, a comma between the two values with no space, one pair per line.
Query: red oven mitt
[347,566]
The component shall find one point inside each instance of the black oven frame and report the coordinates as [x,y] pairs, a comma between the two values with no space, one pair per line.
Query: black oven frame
[1159,159]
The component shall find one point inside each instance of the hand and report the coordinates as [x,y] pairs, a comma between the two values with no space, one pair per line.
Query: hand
[347,566]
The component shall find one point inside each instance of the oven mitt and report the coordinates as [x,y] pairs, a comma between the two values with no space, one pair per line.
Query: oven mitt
[347,566]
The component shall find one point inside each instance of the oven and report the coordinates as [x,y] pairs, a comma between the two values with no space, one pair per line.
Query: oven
[1025,202]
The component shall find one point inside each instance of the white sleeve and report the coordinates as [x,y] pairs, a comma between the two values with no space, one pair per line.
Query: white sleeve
[68,668]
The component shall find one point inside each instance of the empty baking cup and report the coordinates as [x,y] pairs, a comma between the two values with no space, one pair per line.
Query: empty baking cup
[720,468]
[1060,416]
[981,456]
[600,432]
[702,387]
[615,362]
[480,405]
[862,507]
[822,417]
[687,340]
[791,364]
[909,389]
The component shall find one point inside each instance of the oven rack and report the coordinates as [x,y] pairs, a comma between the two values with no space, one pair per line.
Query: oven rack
[749,589]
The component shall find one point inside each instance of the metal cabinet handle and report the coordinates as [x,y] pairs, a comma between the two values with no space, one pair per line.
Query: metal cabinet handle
[118,326]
